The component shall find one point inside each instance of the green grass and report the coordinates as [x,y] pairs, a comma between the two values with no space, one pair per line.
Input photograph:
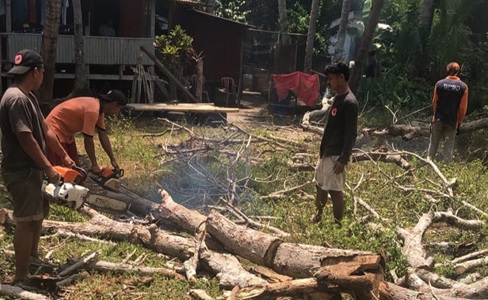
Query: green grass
[261,170]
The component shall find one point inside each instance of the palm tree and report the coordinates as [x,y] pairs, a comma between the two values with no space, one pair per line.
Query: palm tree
[49,47]
[285,38]
[314,13]
[366,41]
[341,33]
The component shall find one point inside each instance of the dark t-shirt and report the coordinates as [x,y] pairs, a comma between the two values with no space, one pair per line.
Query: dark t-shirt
[19,113]
[450,91]
[341,128]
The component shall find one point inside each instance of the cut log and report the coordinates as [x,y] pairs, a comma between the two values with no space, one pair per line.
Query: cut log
[463,267]
[361,277]
[251,244]
[302,261]
[290,288]
[183,218]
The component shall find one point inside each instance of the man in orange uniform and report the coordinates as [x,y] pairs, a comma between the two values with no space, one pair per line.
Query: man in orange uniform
[85,115]
[450,103]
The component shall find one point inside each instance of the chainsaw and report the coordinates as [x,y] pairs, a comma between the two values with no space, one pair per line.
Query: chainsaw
[109,179]
[69,192]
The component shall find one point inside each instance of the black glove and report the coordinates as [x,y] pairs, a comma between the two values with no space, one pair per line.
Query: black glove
[457,131]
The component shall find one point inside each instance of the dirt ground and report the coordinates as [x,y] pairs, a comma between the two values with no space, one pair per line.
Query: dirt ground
[254,109]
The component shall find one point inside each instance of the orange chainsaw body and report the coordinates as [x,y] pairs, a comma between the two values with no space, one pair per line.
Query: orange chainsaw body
[70,174]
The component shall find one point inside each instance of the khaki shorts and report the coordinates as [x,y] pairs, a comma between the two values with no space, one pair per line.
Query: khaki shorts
[325,177]
[25,187]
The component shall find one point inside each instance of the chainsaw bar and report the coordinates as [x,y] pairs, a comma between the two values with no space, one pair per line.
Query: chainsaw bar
[107,204]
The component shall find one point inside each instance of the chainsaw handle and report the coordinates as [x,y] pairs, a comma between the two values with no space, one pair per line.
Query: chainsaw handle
[118,172]
[80,170]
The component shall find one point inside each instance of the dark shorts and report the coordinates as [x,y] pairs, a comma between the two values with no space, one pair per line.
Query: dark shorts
[72,151]
[25,187]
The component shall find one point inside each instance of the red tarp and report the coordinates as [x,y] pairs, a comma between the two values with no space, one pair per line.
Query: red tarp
[306,87]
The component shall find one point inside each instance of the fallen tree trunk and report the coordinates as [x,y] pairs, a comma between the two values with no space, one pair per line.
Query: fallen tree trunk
[228,269]
[183,218]
[295,260]
[251,244]
[302,261]
[290,288]
[407,132]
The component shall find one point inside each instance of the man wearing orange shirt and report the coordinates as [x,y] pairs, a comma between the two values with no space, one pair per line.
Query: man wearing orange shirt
[85,115]
[450,103]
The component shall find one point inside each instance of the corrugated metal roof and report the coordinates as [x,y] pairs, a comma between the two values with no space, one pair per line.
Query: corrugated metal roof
[190,2]
[98,50]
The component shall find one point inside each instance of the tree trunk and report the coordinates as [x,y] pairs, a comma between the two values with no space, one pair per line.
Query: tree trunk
[426,14]
[81,82]
[253,245]
[49,47]
[366,40]
[301,261]
[285,38]
[341,33]
[314,13]
[199,87]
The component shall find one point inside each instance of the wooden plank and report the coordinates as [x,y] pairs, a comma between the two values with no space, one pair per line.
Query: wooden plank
[182,107]
[168,73]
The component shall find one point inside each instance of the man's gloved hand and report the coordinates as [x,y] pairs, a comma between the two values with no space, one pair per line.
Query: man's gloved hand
[457,130]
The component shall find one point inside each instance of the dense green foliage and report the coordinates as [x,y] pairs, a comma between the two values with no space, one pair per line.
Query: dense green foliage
[414,58]
[173,48]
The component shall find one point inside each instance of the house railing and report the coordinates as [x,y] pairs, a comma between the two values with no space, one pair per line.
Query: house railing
[98,50]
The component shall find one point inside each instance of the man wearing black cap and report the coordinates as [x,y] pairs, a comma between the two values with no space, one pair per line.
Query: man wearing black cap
[85,115]
[24,139]
[450,103]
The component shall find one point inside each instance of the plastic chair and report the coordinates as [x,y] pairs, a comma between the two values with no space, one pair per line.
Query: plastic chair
[228,85]
[194,84]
